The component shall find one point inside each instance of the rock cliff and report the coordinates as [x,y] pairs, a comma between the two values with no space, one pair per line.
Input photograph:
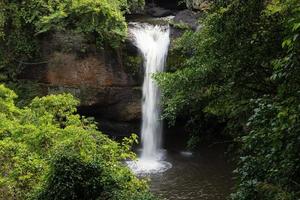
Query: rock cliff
[107,82]
[97,77]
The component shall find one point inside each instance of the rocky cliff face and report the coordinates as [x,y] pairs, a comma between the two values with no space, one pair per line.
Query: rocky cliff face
[96,77]
[107,82]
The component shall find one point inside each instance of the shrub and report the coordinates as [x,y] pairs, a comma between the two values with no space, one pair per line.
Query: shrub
[47,151]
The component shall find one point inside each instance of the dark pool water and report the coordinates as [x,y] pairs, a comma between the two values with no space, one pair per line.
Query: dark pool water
[206,175]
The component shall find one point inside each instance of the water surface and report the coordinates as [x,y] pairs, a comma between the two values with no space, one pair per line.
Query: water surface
[205,175]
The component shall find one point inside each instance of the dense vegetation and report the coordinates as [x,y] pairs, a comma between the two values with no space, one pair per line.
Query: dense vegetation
[239,71]
[23,23]
[47,151]
[242,68]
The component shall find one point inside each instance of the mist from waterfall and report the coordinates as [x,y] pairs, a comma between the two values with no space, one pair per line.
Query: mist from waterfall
[153,43]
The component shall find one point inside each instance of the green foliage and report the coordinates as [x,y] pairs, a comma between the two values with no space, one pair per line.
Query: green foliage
[101,17]
[135,5]
[132,64]
[180,25]
[23,23]
[26,91]
[47,151]
[2,20]
[269,166]
[70,182]
[242,67]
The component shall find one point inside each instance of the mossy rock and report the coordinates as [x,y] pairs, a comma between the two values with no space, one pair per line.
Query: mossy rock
[180,25]
[133,64]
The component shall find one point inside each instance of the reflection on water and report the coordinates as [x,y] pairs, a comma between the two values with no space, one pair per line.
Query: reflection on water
[205,175]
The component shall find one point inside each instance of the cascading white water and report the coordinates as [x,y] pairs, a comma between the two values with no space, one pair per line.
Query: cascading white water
[153,43]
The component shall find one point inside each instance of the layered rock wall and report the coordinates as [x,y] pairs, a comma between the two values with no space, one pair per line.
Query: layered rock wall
[107,82]
[96,77]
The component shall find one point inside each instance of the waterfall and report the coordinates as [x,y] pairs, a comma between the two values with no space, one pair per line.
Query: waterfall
[153,43]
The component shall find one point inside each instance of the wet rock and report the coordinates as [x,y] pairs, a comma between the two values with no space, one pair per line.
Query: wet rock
[117,129]
[188,17]
[156,11]
[182,21]
[121,104]
[167,4]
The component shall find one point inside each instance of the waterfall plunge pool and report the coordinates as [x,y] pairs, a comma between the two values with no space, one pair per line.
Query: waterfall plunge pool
[174,175]
[202,175]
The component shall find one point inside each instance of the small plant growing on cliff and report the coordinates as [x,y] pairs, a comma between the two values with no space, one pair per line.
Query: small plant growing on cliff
[133,64]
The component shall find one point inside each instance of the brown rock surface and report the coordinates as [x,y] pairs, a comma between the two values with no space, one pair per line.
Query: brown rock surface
[65,69]
[96,77]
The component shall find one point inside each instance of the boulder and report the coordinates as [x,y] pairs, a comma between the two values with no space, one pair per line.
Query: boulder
[188,17]
[156,11]
[182,21]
